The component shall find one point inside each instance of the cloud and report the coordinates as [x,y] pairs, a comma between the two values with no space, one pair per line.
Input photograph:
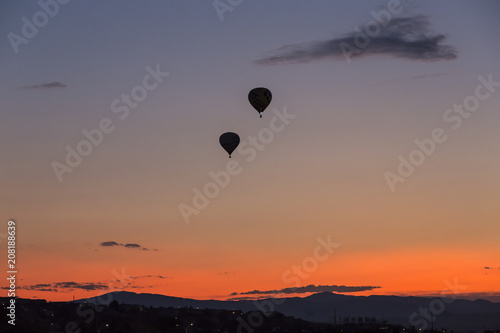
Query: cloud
[39,286]
[46,85]
[423,76]
[309,289]
[491,270]
[150,276]
[406,37]
[69,286]
[128,245]
[57,286]
[109,244]
[146,249]
[83,286]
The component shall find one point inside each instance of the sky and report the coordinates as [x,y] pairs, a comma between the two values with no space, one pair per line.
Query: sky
[373,171]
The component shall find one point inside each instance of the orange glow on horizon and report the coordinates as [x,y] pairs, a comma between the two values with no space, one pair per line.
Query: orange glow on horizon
[406,272]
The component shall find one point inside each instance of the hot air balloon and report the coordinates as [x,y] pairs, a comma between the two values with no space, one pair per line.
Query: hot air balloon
[260,98]
[229,141]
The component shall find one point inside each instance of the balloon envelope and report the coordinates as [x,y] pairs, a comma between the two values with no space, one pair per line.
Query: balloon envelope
[229,141]
[260,98]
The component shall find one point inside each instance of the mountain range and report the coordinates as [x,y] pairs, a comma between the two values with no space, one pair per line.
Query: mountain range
[422,312]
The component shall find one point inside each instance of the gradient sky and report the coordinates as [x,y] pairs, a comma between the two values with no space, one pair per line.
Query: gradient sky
[322,176]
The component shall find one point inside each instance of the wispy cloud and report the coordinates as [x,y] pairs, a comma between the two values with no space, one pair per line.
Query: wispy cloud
[308,289]
[63,286]
[408,37]
[491,270]
[127,245]
[83,286]
[150,276]
[49,85]
[132,245]
[424,76]
[111,243]
[68,286]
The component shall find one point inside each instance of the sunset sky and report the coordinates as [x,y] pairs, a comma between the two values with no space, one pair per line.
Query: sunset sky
[323,165]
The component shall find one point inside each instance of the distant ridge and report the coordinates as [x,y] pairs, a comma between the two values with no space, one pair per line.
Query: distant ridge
[459,315]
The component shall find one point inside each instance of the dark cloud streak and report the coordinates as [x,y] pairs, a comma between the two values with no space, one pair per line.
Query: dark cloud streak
[128,245]
[70,285]
[407,37]
[46,86]
[309,289]
[109,244]
[151,276]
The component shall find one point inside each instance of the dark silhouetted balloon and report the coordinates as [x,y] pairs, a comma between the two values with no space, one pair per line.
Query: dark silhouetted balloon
[229,141]
[260,98]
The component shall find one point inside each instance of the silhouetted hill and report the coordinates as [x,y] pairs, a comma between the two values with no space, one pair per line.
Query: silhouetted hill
[55,317]
[454,314]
